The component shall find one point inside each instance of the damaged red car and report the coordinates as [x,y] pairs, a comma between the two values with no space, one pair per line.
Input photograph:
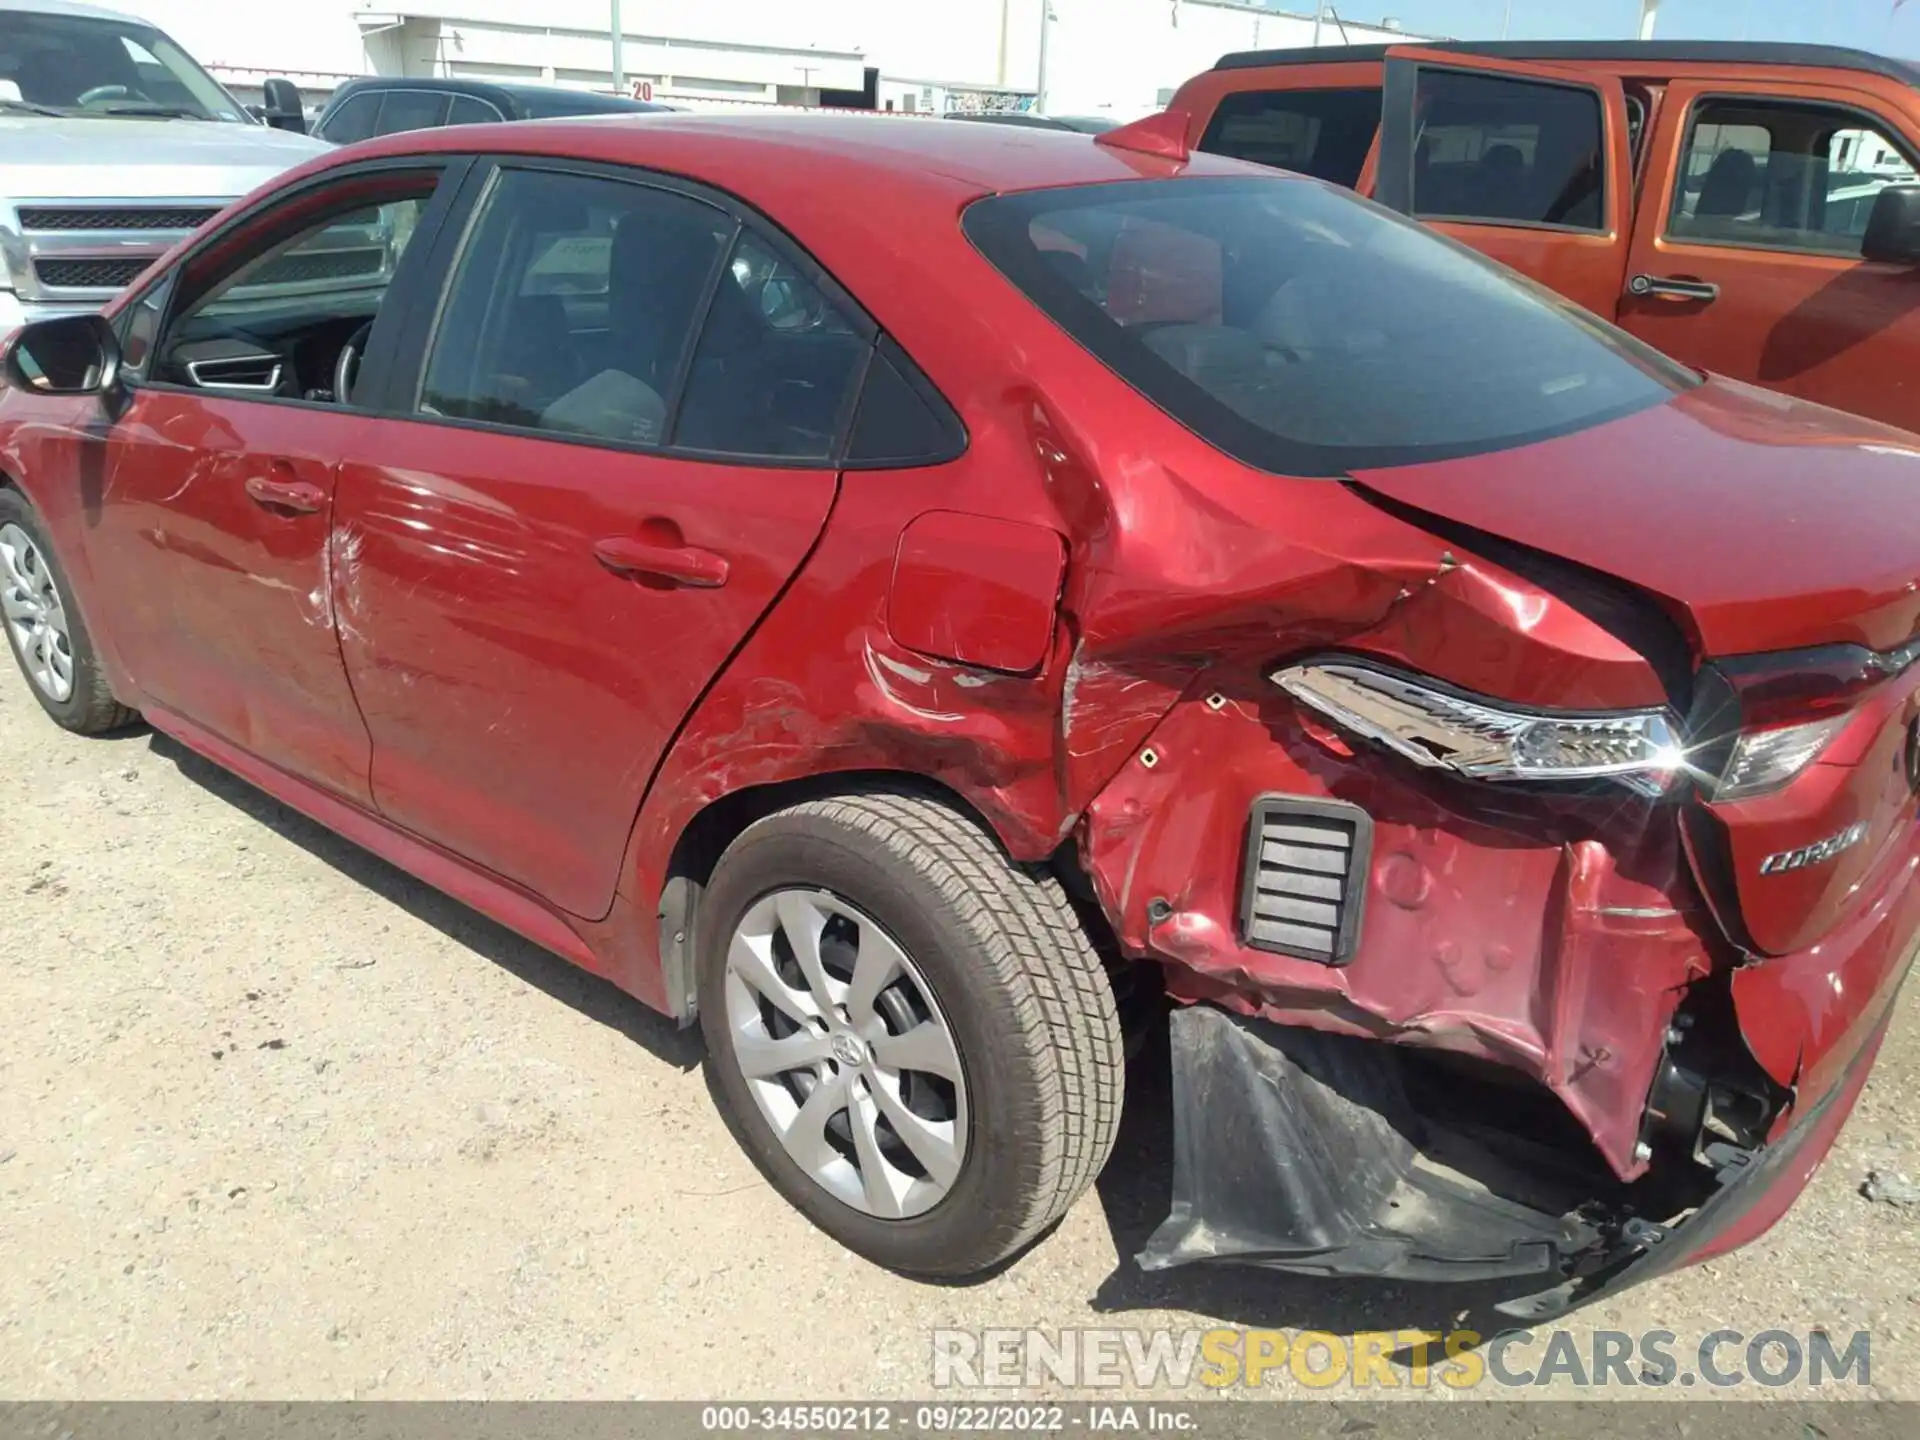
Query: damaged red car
[908,596]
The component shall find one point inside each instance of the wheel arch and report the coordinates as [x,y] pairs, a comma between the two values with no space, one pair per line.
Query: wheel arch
[718,823]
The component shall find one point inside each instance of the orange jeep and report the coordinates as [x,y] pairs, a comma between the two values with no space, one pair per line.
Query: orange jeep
[1750,209]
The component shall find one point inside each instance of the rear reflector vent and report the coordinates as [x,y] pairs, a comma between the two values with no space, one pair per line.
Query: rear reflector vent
[1306,877]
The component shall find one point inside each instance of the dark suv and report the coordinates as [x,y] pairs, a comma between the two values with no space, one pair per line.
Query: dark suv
[388,104]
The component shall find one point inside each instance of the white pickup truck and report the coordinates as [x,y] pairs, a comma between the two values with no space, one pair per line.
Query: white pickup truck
[114,144]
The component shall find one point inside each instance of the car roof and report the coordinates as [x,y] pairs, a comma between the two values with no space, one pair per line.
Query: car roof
[74,7]
[842,156]
[587,101]
[1652,52]
[1084,124]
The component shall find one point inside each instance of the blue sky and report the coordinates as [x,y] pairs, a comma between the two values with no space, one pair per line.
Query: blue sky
[1869,24]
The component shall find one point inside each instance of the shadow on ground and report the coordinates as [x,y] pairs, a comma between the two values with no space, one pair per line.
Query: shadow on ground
[593,997]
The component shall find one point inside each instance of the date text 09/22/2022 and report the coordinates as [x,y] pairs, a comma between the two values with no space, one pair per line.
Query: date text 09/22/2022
[947,1419]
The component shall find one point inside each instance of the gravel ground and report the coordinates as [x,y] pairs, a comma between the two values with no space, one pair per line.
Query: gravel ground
[277,1121]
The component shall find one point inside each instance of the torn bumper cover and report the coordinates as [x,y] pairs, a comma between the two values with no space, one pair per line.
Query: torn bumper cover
[1301,1150]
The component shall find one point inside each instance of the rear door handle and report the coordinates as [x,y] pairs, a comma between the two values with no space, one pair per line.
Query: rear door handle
[1668,288]
[682,564]
[296,495]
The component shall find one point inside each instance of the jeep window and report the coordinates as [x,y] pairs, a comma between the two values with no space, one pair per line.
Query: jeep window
[1507,151]
[1309,332]
[1323,133]
[87,65]
[1783,175]
[1636,124]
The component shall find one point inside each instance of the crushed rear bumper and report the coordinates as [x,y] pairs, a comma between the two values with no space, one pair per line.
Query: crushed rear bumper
[1299,1150]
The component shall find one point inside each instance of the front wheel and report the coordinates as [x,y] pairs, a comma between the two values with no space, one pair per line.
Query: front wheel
[914,1038]
[44,628]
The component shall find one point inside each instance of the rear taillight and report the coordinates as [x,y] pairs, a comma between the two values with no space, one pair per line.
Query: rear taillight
[1765,760]
[1438,727]
[1803,685]
[1765,718]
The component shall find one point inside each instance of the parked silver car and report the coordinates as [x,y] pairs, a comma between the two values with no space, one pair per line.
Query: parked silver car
[114,144]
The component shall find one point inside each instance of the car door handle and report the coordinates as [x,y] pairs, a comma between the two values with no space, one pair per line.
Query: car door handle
[296,495]
[1668,288]
[682,564]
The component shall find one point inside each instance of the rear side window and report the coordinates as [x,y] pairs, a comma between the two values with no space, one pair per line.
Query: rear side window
[1781,175]
[777,361]
[467,110]
[411,110]
[353,120]
[1323,133]
[1308,332]
[572,306]
[1508,151]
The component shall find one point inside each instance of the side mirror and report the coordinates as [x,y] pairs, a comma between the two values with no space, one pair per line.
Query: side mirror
[74,355]
[1893,229]
[284,109]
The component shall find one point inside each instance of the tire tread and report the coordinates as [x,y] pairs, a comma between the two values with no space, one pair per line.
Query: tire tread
[1038,952]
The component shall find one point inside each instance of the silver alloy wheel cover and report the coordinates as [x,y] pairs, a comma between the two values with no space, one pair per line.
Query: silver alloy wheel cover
[35,615]
[844,1041]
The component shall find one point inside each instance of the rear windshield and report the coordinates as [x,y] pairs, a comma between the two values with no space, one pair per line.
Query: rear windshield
[1309,332]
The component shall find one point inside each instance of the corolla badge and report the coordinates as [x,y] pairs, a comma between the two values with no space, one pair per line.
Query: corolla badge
[1816,853]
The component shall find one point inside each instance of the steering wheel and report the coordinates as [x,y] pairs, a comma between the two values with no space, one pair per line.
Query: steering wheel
[346,369]
[102,92]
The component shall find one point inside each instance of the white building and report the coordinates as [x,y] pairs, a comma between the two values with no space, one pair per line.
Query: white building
[1117,57]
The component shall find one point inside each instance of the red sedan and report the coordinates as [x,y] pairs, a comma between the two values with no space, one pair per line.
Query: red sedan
[889,591]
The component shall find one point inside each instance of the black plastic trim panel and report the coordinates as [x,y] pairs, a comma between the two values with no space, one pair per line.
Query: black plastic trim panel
[1353,898]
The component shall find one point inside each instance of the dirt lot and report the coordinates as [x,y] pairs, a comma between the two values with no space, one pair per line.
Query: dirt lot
[276,1121]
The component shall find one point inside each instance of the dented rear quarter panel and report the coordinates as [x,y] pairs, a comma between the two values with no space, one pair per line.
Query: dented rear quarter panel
[1556,942]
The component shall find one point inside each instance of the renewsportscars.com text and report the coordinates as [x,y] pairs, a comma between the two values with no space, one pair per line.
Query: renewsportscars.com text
[1222,1358]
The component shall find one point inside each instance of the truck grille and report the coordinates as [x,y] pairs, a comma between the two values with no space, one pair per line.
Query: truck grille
[90,274]
[1306,877]
[300,266]
[61,217]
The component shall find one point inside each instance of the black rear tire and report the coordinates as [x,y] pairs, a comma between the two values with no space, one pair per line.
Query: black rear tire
[91,708]
[1023,992]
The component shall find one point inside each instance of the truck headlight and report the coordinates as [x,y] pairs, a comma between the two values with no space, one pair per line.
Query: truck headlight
[1485,739]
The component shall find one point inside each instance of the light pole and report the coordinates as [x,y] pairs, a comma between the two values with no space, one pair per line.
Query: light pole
[1649,13]
[619,63]
[1506,20]
[1040,83]
[1319,19]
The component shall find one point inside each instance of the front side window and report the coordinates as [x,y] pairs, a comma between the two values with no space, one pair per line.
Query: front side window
[1323,133]
[1782,176]
[573,306]
[1308,332]
[141,327]
[1504,151]
[268,311]
[95,65]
